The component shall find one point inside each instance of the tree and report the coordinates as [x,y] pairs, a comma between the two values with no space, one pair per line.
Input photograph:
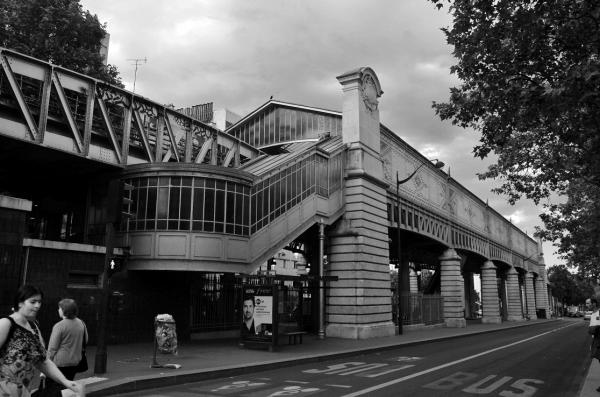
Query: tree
[562,283]
[58,31]
[530,84]
[576,225]
[568,288]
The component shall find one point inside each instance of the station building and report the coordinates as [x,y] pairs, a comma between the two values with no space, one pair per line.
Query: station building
[363,233]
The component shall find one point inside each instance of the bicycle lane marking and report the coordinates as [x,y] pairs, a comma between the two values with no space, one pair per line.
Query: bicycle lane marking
[427,371]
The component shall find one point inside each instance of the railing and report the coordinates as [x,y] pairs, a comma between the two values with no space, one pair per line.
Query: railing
[216,302]
[64,110]
[279,191]
[419,308]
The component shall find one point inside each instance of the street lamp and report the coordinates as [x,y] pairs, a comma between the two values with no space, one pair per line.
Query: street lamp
[437,164]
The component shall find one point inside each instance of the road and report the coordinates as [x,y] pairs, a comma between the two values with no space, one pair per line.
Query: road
[548,359]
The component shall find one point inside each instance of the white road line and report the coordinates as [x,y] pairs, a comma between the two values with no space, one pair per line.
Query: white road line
[416,374]
[341,386]
[368,375]
[364,368]
[297,381]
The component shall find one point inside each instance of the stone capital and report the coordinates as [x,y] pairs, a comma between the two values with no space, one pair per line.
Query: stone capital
[512,271]
[363,78]
[529,275]
[449,255]
[488,265]
[360,110]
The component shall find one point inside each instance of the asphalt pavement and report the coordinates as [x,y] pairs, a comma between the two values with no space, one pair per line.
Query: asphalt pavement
[129,365]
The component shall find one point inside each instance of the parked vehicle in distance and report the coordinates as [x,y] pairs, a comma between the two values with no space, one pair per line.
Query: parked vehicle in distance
[572,311]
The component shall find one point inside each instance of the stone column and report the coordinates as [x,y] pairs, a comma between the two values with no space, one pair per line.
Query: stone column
[489,294]
[513,295]
[321,331]
[413,280]
[359,304]
[530,293]
[452,289]
[541,291]
[541,295]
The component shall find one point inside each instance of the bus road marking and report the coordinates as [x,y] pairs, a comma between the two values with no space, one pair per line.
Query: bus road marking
[357,368]
[433,369]
[240,384]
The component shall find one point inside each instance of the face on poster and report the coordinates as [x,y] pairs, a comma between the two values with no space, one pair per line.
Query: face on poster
[258,313]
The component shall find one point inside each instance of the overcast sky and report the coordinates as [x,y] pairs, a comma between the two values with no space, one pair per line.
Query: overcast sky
[239,53]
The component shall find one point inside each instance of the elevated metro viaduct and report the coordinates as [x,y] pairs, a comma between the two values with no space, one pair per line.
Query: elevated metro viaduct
[212,204]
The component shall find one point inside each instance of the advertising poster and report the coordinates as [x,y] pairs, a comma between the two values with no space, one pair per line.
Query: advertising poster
[257,314]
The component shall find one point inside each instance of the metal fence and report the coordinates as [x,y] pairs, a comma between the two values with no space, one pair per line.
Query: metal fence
[418,308]
[216,301]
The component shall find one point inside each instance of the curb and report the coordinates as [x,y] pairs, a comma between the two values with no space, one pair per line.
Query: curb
[133,384]
[590,380]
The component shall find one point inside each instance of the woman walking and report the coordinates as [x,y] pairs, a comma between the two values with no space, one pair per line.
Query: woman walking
[22,350]
[66,341]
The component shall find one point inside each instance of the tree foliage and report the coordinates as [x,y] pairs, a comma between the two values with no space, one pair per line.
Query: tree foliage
[530,84]
[57,31]
[569,288]
[576,225]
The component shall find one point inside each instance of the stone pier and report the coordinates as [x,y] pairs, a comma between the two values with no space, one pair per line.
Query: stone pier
[489,294]
[359,303]
[452,289]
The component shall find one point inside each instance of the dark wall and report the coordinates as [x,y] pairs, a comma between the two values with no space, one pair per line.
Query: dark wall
[137,296]
[147,294]
[49,270]
[12,230]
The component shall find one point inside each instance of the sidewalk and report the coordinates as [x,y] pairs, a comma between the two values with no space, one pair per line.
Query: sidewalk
[592,381]
[128,366]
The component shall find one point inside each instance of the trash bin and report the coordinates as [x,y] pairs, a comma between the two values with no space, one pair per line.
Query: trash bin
[165,337]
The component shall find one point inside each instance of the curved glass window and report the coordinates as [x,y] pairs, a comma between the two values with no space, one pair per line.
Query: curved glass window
[189,204]
[201,204]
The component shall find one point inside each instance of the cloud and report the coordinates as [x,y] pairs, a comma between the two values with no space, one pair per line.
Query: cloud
[239,53]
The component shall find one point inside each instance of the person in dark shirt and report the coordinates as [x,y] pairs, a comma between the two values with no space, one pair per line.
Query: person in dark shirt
[594,328]
[248,319]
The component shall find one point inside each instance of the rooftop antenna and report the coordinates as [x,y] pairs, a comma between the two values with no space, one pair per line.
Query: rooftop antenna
[137,62]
